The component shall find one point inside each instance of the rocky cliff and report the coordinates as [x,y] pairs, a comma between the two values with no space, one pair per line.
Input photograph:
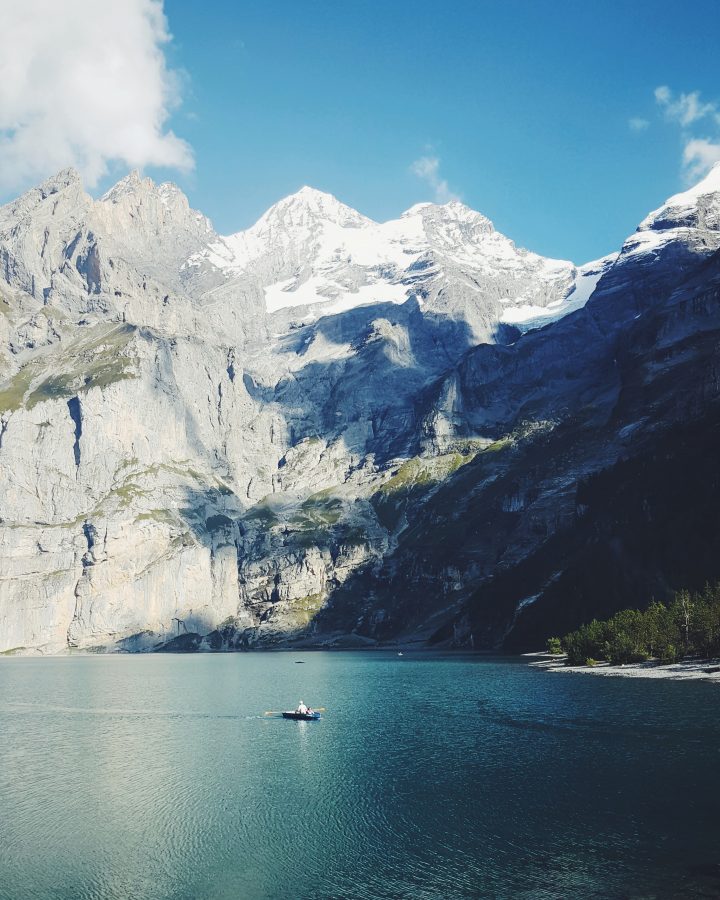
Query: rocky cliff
[326,429]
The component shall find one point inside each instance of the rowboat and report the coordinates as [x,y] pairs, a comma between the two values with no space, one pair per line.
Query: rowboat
[305,717]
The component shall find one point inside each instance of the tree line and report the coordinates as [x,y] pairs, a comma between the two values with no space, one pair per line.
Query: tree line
[687,626]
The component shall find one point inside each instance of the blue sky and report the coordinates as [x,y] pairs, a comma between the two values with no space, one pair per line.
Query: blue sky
[525,105]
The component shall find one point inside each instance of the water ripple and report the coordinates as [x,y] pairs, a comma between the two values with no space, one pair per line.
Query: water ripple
[153,778]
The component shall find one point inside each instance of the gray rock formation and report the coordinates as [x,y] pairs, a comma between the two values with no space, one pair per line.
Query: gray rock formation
[222,442]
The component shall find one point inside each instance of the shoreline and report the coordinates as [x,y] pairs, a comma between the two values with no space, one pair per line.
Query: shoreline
[400,649]
[686,670]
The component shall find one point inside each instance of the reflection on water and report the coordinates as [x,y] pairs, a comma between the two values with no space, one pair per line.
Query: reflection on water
[160,777]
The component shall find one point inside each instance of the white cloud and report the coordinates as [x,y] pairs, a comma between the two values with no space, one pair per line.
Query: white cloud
[638,125]
[428,169]
[699,153]
[685,108]
[699,156]
[85,83]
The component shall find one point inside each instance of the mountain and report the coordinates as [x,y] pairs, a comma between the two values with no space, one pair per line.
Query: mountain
[330,430]
[313,257]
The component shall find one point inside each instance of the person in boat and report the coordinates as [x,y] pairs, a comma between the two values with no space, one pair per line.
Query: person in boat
[301,708]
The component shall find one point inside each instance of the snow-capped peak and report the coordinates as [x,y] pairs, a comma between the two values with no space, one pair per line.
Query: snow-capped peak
[452,210]
[451,223]
[416,210]
[693,215]
[307,207]
[675,206]
[311,250]
[710,184]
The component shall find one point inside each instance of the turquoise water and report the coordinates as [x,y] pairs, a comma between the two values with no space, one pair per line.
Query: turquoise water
[429,777]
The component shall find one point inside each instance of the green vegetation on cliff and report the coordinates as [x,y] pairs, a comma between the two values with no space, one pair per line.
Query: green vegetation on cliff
[98,360]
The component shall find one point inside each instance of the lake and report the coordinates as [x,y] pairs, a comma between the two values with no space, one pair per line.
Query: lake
[430,776]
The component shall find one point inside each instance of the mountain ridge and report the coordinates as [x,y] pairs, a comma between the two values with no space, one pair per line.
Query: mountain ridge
[185,459]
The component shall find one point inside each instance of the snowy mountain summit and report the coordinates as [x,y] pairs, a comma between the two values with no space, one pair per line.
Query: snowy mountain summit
[313,252]
[691,217]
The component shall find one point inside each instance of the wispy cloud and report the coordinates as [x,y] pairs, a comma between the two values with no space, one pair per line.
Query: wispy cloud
[685,108]
[637,124]
[427,168]
[85,84]
[700,153]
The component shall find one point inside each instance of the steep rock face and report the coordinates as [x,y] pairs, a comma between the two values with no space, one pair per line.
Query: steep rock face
[320,428]
[523,542]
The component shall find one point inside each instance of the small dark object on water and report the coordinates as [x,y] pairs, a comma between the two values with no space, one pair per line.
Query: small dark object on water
[299,662]
[305,717]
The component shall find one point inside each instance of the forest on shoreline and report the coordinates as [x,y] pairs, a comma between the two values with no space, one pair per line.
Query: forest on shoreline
[687,626]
